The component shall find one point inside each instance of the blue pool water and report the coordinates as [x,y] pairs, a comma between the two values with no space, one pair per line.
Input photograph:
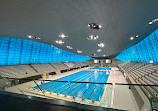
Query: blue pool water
[86,90]
[100,68]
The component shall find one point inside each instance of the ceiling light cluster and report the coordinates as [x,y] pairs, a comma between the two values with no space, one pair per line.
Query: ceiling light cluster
[92,37]
[69,47]
[33,37]
[94,26]
[63,35]
[99,50]
[133,37]
[59,42]
[79,51]
[101,44]
[155,20]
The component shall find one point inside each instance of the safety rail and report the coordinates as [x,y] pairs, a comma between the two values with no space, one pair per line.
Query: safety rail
[108,95]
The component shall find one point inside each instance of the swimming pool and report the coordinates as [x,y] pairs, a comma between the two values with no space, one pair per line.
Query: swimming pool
[86,90]
[100,68]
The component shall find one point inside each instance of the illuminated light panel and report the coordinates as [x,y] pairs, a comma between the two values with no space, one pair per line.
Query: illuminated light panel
[101,44]
[63,35]
[41,53]
[30,36]
[131,38]
[92,37]
[144,51]
[94,26]
[69,47]
[153,21]
[59,42]
[99,50]
[79,51]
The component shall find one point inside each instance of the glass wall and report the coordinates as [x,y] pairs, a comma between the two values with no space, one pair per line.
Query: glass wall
[144,51]
[21,51]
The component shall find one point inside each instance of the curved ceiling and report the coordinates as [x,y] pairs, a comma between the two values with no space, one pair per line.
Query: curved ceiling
[120,19]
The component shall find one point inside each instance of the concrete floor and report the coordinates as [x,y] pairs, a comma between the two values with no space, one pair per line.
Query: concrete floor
[115,96]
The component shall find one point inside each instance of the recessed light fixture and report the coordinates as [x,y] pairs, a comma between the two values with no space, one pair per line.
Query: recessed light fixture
[154,20]
[36,37]
[93,54]
[30,36]
[131,38]
[137,35]
[104,55]
[63,35]
[79,51]
[101,44]
[59,41]
[92,37]
[100,26]
[99,50]
[69,47]
[94,26]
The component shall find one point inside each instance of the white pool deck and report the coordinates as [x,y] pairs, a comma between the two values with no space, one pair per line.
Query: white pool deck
[116,96]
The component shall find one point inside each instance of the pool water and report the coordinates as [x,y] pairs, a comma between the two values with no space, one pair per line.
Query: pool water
[86,90]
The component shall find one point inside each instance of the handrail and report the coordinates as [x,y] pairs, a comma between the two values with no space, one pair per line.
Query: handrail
[89,82]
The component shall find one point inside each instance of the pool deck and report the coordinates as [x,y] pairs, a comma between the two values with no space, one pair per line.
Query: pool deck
[119,97]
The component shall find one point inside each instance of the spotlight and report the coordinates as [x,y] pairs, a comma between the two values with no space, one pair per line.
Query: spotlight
[69,47]
[101,45]
[78,51]
[59,41]
[92,37]
[94,26]
[30,36]
[99,50]
[131,38]
[63,35]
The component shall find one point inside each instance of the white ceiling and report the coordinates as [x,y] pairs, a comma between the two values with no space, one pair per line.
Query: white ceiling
[120,19]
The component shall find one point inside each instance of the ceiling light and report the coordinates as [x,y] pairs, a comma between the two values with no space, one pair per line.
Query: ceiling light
[99,50]
[29,36]
[93,54]
[94,26]
[100,26]
[137,35]
[78,51]
[59,41]
[104,55]
[131,38]
[36,37]
[92,37]
[63,35]
[101,44]
[154,20]
[69,47]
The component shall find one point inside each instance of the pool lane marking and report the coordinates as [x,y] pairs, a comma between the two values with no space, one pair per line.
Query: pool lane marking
[54,83]
[95,86]
[44,85]
[75,79]
[90,73]
[78,84]
[89,86]
[102,88]
[61,83]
